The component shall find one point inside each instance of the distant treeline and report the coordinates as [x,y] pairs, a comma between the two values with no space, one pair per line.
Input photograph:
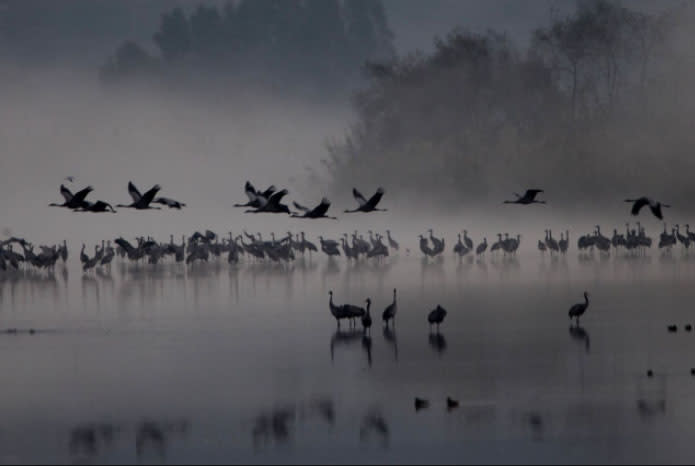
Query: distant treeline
[602,102]
[282,42]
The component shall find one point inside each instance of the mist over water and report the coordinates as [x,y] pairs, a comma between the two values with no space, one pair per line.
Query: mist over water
[173,363]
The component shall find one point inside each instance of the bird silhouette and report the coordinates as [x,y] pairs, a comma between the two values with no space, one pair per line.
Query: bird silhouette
[578,310]
[528,198]
[367,205]
[256,198]
[391,310]
[654,206]
[73,201]
[141,201]
[272,205]
[436,317]
[317,212]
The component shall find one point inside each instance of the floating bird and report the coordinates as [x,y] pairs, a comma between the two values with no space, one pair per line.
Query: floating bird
[367,205]
[317,212]
[436,317]
[73,201]
[391,311]
[141,201]
[655,207]
[578,310]
[528,198]
[171,203]
[451,403]
[421,404]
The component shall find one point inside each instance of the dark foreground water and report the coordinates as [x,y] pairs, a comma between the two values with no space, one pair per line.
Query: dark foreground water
[214,364]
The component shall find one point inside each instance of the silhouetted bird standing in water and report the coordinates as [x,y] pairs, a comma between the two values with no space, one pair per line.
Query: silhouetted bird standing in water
[393,244]
[436,317]
[528,198]
[367,318]
[578,310]
[482,247]
[367,205]
[655,207]
[338,312]
[390,311]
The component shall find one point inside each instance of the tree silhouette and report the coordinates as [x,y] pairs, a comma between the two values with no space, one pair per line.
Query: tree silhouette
[174,36]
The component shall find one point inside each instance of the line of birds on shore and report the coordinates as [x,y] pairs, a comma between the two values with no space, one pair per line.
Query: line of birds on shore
[203,247]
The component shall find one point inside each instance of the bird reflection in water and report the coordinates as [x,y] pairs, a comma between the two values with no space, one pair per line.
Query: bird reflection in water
[438,343]
[580,335]
[348,338]
[325,408]
[273,427]
[536,424]
[153,437]
[87,441]
[391,339]
[374,426]
[649,409]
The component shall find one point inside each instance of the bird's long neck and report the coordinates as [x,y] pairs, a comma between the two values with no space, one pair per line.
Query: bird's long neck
[586,299]
[394,296]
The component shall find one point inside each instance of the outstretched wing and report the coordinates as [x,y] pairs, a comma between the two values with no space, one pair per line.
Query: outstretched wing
[66,193]
[80,196]
[531,194]
[269,192]
[301,207]
[148,197]
[656,210]
[359,197]
[277,197]
[638,204]
[375,199]
[251,192]
[322,208]
[134,193]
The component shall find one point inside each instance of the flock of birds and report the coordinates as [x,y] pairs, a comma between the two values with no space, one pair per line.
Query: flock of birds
[271,201]
[204,247]
[268,201]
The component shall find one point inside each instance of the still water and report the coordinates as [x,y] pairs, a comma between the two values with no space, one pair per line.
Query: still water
[170,364]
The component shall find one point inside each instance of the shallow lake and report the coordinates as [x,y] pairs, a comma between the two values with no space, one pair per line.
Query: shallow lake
[221,364]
